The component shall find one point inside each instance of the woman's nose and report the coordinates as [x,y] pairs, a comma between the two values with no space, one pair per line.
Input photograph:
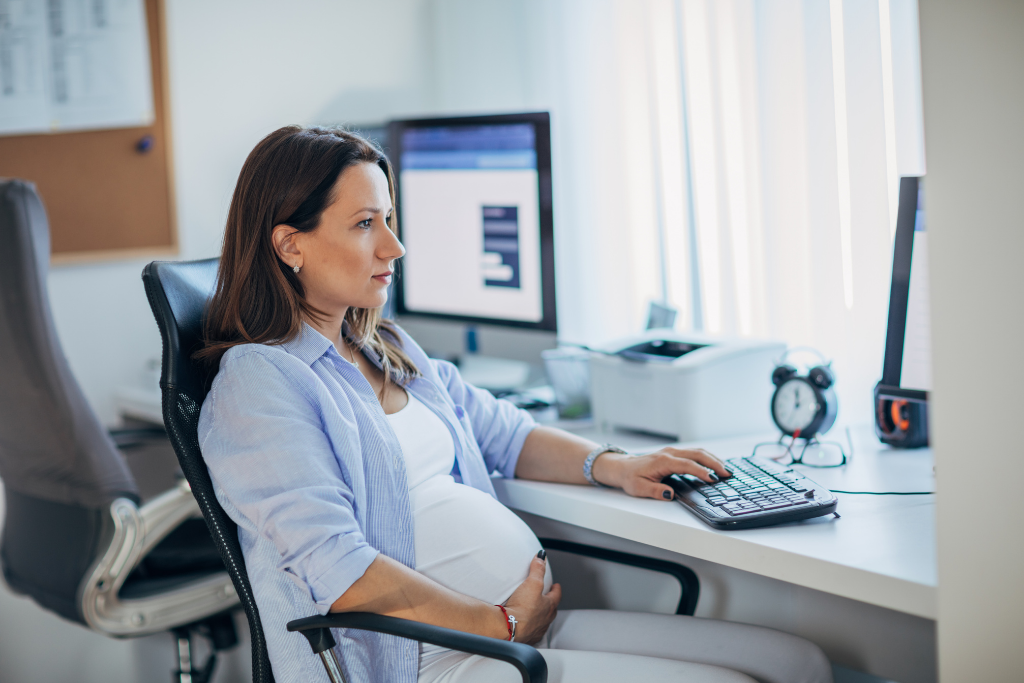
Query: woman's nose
[392,247]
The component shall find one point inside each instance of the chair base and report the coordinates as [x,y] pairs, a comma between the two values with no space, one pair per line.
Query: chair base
[220,630]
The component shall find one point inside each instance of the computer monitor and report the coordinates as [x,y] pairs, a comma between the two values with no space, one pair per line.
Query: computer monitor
[474,212]
[907,363]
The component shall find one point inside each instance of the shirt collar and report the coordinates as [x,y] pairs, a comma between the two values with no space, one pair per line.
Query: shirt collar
[308,345]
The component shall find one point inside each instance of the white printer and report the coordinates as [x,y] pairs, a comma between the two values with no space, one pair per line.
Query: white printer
[684,385]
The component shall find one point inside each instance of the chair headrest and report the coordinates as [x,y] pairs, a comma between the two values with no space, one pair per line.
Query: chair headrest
[179,292]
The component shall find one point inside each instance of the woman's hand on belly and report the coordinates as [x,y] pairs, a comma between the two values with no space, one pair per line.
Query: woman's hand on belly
[389,587]
[533,609]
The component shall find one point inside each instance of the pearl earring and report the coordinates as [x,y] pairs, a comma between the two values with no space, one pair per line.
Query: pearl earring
[296,269]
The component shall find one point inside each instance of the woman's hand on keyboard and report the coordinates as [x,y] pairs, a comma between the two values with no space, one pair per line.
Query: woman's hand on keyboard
[533,609]
[641,476]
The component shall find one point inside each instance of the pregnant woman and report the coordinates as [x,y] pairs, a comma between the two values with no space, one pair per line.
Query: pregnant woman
[358,469]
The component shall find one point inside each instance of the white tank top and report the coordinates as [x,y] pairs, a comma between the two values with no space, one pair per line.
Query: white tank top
[465,539]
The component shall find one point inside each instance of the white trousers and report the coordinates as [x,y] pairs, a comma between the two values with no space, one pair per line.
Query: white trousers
[600,646]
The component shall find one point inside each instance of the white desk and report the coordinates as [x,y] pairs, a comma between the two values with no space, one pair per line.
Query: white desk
[140,403]
[881,551]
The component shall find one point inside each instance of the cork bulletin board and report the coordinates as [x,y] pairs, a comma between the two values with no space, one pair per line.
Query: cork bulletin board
[108,193]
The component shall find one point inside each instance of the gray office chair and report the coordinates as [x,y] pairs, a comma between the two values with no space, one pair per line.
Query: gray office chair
[75,537]
[178,294]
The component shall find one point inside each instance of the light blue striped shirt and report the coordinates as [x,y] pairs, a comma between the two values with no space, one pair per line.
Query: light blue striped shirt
[304,460]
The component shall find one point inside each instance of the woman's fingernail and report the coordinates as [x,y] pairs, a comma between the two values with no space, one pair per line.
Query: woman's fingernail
[714,477]
[542,554]
[667,495]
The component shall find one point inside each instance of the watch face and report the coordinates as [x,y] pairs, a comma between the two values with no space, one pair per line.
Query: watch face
[795,405]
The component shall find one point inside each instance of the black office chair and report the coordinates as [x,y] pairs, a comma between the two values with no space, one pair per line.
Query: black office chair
[178,293]
[78,538]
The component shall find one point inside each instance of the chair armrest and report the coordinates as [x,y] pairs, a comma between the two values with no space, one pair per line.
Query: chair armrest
[526,659]
[135,532]
[688,581]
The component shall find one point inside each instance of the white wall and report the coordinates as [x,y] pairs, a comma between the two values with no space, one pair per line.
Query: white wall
[972,55]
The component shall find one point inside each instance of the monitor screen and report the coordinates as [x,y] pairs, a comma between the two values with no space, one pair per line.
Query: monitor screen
[474,214]
[916,369]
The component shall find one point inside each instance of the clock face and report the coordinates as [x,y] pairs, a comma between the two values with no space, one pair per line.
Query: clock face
[795,406]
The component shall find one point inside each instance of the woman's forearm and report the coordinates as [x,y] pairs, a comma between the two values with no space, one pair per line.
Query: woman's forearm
[551,454]
[389,587]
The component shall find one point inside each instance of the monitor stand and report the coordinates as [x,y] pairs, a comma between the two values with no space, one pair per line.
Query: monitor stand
[493,374]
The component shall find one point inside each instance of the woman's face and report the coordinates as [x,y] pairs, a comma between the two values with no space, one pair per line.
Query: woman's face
[347,261]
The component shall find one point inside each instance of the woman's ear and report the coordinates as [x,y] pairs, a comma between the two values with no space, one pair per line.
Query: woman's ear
[285,245]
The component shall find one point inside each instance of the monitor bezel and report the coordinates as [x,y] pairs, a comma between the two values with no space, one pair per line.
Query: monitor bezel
[542,127]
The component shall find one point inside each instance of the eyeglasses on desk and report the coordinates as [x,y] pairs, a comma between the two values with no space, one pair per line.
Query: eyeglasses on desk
[810,453]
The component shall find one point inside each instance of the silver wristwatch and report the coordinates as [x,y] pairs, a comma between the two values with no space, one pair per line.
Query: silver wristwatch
[588,464]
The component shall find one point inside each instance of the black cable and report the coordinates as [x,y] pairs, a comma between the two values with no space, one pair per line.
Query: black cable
[885,493]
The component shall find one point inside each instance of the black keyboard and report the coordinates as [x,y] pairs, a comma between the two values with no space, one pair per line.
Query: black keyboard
[760,493]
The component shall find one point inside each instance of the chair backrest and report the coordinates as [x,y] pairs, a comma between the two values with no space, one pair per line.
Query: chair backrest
[178,293]
[52,445]
[60,468]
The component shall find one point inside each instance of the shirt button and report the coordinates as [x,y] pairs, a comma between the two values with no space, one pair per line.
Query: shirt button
[459,412]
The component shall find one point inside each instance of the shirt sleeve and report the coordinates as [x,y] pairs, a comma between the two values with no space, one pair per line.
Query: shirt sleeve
[500,427]
[263,442]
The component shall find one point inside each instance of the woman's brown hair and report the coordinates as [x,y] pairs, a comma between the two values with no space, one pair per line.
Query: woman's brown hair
[289,179]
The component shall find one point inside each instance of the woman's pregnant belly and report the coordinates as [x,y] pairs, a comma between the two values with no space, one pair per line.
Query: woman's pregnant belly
[469,542]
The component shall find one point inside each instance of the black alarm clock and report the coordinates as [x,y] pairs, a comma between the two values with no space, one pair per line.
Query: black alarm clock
[804,406]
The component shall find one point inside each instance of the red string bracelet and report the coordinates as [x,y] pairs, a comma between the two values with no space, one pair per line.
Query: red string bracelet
[510,621]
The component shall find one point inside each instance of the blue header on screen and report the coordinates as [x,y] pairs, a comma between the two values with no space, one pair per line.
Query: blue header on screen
[495,147]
